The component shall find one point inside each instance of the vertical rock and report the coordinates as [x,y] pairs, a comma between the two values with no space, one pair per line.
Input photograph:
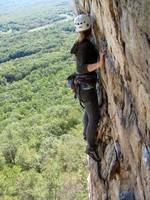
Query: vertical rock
[124,131]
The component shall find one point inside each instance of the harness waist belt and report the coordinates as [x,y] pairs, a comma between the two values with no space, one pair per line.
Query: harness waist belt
[86,86]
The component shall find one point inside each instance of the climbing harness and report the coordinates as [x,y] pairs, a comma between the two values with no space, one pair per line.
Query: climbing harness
[81,82]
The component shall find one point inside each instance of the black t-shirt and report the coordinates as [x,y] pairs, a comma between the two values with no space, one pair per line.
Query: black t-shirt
[85,53]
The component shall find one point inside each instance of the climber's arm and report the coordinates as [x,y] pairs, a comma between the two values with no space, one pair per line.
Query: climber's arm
[99,64]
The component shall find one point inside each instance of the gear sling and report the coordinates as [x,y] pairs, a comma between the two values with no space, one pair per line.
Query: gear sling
[78,82]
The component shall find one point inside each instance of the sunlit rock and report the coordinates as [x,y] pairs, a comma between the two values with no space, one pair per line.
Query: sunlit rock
[124,128]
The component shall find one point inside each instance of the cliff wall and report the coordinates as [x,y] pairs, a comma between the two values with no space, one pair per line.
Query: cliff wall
[124,128]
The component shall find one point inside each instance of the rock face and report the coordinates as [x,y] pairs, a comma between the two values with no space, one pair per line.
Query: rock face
[124,128]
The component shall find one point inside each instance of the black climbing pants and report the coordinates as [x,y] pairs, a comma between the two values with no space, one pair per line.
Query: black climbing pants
[91,116]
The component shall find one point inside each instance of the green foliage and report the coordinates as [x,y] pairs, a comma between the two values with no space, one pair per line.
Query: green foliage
[41,147]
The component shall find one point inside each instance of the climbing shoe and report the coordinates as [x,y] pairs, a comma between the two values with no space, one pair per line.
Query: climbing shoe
[93,154]
[84,137]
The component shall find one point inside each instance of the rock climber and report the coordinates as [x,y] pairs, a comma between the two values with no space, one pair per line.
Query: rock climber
[88,60]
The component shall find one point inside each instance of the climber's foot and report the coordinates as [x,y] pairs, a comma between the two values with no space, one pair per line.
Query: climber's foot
[84,136]
[93,154]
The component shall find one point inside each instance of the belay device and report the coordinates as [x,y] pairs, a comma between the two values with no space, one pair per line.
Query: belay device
[71,82]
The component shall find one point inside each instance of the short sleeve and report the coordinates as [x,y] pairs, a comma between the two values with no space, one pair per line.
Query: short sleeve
[85,53]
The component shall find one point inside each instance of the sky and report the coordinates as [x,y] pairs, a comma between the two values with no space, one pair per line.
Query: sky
[10,5]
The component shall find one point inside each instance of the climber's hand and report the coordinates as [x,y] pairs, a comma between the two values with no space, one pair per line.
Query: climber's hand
[102,52]
[100,63]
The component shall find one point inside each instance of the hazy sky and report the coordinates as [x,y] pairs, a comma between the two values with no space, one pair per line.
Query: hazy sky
[11,5]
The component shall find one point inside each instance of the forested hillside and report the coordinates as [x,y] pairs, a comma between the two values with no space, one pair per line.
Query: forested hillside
[41,146]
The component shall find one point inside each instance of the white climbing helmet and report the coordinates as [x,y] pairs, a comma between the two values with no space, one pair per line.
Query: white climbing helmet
[82,22]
